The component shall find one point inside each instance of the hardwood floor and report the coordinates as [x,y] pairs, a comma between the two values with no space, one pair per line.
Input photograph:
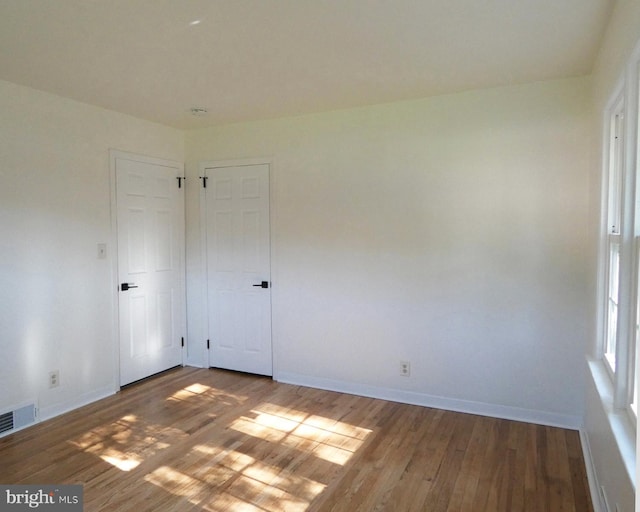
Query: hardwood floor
[211,440]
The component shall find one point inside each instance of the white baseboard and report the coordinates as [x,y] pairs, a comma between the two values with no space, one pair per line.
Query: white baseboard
[592,476]
[480,408]
[449,404]
[46,413]
[191,364]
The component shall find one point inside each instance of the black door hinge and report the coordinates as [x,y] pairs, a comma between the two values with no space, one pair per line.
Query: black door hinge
[182,342]
[204,181]
[207,344]
[180,178]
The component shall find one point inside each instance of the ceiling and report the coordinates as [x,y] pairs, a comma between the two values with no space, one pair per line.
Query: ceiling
[257,59]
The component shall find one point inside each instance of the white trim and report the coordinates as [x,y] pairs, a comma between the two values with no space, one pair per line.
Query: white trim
[112,253]
[573,422]
[51,412]
[592,477]
[195,365]
[47,413]
[626,302]
[622,431]
[632,377]
[603,246]
[205,267]
[632,71]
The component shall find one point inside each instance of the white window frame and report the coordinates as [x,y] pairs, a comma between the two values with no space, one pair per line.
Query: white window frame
[620,225]
[633,388]
[612,197]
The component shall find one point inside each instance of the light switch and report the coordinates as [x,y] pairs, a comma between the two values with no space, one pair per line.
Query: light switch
[102,251]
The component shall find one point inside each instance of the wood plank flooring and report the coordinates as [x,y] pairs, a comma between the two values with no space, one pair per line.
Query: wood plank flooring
[211,440]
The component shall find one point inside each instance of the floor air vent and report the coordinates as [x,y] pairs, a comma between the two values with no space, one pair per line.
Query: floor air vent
[6,422]
[18,418]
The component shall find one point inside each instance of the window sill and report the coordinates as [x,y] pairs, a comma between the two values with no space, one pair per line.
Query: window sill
[619,422]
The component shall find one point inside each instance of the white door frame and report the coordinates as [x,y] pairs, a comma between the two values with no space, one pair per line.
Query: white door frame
[203,246]
[112,252]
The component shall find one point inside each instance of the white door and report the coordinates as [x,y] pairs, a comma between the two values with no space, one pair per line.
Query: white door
[238,267]
[150,232]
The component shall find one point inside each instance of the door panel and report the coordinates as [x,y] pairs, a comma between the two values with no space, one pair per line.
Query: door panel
[238,259]
[150,226]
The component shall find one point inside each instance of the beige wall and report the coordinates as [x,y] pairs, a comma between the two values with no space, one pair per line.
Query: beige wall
[619,40]
[607,449]
[433,223]
[56,305]
[449,232]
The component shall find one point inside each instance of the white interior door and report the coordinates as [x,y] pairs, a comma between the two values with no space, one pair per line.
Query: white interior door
[150,232]
[238,267]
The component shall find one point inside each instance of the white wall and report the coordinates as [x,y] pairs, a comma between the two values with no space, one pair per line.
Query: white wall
[601,420]
[56,301]
[450,232]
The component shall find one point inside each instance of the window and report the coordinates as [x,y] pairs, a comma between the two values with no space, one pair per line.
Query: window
[620,262]
[634,349]
[615,171]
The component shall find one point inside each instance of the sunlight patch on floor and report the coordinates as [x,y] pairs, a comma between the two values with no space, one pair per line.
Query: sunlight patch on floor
[232,480]
[266,496]
[328,439]
[225,502]
[304,488]
[320,422]
[197,388]
[127,442]
[122,461]
[267,459]
[178,483]
[118,429]
[199,391]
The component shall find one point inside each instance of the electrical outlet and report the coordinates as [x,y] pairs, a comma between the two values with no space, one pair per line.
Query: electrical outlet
[405,368]
[54,379]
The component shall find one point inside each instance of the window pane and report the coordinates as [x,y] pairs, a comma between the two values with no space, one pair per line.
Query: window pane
[616,155]
[634,353]
[612,300]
